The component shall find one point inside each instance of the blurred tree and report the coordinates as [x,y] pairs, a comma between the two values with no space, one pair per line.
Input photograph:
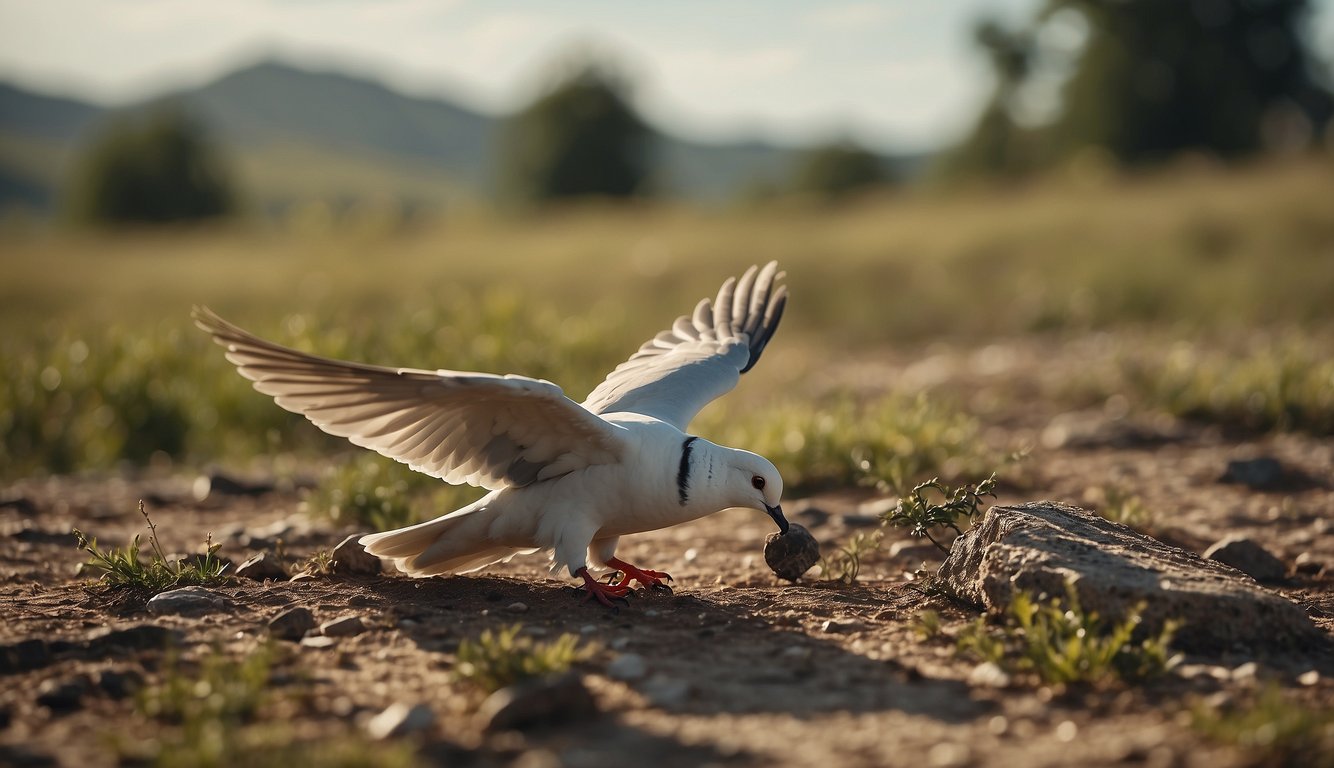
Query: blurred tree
[1227,76]
[833,171]
[1152,79]
[996,144]
[582,138]
[154,168]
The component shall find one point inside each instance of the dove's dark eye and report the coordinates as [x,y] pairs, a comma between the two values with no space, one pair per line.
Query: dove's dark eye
[758,482]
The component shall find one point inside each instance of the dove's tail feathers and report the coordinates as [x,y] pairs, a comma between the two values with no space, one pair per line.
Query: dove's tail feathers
[459,542]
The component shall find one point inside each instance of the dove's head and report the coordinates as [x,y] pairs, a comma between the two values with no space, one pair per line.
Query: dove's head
[754,482]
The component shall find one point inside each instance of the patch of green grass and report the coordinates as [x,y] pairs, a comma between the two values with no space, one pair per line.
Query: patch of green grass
[921,516]
[1058,642]
[504,657]
[369,490]
[1122,506]
[128,568]
[1278,728]
[222,712]
[927,625]
[1288,386]
[886,443]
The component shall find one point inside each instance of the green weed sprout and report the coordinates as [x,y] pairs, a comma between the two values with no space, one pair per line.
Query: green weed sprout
[126,568]
[1061,643]
[499,659]
[917,513]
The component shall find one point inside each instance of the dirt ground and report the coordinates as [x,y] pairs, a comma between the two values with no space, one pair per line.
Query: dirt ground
[741,668]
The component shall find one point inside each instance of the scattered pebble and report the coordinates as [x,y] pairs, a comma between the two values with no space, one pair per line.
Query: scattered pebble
[517,607]
[542,701]
[1307,564]
[292,624]
[1309,677]
[988,675]
[831,626]
[351,557]
[262,567]
[1247,556]
[399,719]
[318,642]
[627,666]
[186,600]
[666,692]
[343,626]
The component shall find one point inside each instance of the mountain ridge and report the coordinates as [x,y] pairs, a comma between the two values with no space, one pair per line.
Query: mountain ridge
[344,118]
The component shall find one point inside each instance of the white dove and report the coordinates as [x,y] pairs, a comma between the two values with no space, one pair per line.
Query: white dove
[564,477]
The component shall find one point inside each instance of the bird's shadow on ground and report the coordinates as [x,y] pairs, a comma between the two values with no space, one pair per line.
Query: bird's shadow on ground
[705,652]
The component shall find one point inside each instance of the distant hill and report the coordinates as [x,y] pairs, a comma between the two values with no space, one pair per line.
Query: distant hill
[295,134]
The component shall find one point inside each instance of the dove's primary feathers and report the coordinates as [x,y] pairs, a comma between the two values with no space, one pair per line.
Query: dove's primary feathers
[563,476]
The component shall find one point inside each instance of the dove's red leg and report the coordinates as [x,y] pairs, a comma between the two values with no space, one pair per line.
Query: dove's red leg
[652,579]
[603,593]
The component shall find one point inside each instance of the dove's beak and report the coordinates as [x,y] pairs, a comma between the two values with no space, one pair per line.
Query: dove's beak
[776,512]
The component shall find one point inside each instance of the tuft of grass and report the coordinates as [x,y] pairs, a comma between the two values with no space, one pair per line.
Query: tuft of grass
[927,625]
[885,443]
[128,568]
[222,712]
[1278,727]
[502,658]
[845,563]
[1281,386]
[1060,643]
[1122,506]
[921,516]
[320,563]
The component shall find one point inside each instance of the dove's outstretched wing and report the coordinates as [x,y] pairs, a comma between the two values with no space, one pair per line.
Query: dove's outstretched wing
[476,428]
[701,357]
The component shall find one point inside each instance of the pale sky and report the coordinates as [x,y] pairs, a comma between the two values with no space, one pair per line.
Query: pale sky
[896,74]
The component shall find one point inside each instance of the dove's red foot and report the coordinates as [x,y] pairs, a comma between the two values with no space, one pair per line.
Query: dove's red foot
[650,579]
[603,593]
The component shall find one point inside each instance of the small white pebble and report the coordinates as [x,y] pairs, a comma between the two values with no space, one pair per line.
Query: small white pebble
[517,607]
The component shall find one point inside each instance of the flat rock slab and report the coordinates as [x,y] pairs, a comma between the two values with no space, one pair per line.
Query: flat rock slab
[1040,546]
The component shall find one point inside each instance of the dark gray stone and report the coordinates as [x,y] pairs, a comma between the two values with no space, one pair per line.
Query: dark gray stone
[119,684]
[24,655]
[343,626]
[1248,557]
[1258,473]
[544,701]
[262,567]
[351,557]
[1037,548]
[292,624]
[63,695]
[791,554]
[144,637]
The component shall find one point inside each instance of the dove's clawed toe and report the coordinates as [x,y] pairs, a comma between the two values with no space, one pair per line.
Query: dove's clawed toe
[655,580]
[607,594]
